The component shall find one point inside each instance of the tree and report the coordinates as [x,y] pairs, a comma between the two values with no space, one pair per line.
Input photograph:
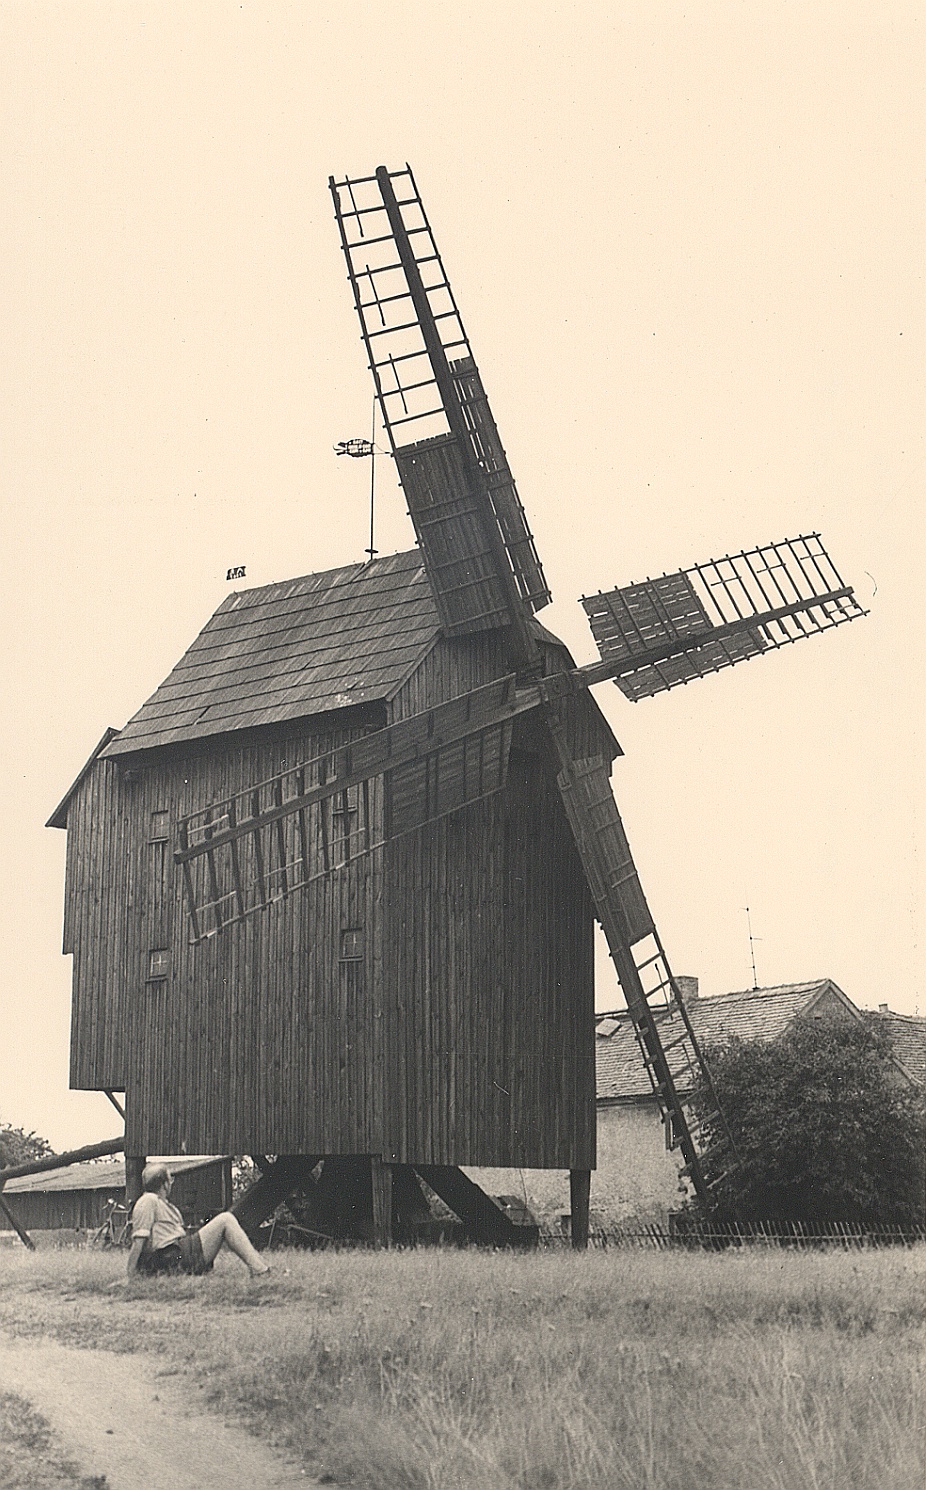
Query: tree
[825,1126]
[19,1147]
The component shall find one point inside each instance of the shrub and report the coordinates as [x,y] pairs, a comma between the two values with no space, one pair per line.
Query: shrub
[825,1126]
[19,1147]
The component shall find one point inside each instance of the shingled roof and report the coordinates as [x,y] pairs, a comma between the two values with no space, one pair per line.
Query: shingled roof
[288,650]
[907,1034]
[754,1014]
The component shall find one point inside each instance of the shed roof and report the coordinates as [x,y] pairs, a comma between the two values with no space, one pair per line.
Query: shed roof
[105,1174]
[753,1014]
[288,650]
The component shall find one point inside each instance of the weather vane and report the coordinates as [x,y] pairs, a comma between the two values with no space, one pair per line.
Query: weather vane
[359,447]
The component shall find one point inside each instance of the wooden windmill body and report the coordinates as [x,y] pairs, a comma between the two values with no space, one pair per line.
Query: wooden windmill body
[331,892]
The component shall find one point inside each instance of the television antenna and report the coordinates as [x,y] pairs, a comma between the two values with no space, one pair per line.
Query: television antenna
[752,947]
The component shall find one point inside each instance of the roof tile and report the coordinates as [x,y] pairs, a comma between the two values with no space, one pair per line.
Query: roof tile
[754,1014]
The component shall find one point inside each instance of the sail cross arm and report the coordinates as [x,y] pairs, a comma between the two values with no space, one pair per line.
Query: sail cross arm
[678,1073]
[347,766]
[666,631]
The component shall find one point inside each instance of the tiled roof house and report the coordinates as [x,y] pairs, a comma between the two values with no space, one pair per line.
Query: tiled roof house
[752,1014]
[637,1177]
[907,1034]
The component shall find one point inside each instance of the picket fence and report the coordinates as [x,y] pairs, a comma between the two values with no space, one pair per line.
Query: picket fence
[715,1236]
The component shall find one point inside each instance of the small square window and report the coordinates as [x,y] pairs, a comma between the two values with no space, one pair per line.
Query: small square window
[158,964]
[352,944]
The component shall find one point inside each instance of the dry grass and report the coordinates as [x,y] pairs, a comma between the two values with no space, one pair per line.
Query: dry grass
[444,1370]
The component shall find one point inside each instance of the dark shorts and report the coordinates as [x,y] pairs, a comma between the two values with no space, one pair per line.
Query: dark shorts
[183,1256]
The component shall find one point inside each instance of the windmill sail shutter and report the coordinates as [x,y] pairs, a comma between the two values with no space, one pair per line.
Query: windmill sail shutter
[678,627]
[450,520]
[603,847]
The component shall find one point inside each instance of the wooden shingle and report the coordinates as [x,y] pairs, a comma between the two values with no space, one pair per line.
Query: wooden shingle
[289,650]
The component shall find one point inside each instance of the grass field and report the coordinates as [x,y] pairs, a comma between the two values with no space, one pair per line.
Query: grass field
[445,1370]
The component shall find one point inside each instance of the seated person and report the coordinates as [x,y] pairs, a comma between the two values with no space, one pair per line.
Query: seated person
[161,1243]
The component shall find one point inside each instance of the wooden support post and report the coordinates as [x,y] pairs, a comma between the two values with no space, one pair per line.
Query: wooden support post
[116,1103]
[281,1179]
[483,1221]
[20,1231]
[134,1165]
[580,1189]
[381,1186]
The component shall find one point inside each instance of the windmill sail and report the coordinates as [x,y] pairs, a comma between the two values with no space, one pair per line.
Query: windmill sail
[671,630]
[247,851]
[679,1076]
[462,499]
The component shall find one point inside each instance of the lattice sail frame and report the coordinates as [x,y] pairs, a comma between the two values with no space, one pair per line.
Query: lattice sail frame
[471,527]
[256,847]
[667,631]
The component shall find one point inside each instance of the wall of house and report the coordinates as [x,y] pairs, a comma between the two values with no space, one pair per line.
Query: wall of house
[636,1180]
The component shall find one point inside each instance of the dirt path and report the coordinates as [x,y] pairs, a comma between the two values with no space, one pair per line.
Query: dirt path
[120,1416]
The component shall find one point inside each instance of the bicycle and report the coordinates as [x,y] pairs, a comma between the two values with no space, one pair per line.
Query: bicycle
[116,1230]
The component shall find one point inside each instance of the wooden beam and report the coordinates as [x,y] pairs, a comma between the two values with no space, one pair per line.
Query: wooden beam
[381,1186]
[580,1187]
[483,1220]
[23,1235]
[134,1168]
[64,1161]
[116,1103]
[281,1179]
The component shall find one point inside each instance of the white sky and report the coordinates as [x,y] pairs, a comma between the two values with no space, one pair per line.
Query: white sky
[688,250]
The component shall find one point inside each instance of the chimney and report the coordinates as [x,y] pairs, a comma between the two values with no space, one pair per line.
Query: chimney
[687,987]
[883,1009]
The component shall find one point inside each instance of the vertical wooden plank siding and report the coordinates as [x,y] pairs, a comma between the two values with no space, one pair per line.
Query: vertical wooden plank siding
[489,996]
[258,1040]
[488,963]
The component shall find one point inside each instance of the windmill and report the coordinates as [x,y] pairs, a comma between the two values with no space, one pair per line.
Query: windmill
[486,577]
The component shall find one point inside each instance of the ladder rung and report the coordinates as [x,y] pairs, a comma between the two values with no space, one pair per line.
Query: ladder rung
[660,1012]
[641,965]
[410,418]
[384,300]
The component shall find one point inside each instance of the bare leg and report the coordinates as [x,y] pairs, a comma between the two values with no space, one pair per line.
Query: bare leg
[226,1230]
